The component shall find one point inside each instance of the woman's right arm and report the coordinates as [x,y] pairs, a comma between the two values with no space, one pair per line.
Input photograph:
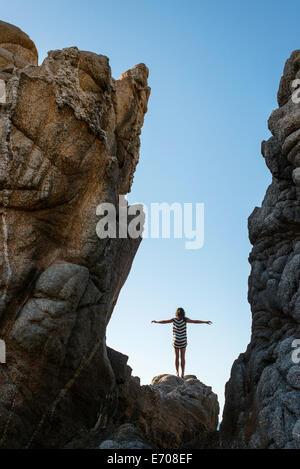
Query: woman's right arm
[163,322]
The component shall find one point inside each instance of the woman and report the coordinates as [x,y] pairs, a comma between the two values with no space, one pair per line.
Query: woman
[179,336]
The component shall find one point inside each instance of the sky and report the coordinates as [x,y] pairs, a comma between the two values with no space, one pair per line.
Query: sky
[214,68]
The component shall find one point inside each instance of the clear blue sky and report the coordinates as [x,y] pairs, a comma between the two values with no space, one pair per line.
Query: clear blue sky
[214,67]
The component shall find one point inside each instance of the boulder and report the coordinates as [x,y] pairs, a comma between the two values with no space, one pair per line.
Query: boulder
[125,437]
[169,413]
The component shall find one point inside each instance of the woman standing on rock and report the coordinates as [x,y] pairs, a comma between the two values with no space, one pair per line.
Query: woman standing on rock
[179,336]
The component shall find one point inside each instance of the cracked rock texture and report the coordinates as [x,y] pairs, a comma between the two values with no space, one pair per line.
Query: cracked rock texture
[69,140]
[262,408]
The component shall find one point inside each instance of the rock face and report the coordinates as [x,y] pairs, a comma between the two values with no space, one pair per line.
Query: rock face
[169,413]
[69,140]
[262,407]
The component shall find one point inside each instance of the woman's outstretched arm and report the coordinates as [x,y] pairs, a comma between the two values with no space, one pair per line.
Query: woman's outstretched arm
[163,322]
[195,321]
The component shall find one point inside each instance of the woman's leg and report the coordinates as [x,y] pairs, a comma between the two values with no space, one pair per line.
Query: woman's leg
[182,359]
[176,350]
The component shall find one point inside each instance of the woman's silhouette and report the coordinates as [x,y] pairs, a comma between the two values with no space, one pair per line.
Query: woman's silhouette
[179,336]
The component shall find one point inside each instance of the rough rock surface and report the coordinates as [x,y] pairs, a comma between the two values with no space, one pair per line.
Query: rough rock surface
[126,437]
[69,140]
[169,413]
[262,408]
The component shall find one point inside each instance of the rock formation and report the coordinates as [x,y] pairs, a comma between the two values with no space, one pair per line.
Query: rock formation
[69,140]
[262,408]
[169,413]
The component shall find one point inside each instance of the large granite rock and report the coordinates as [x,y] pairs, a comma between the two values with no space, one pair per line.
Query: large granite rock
[169,413]
[69,140]
[262,408]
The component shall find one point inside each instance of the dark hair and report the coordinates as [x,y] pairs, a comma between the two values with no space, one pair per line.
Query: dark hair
[180,313]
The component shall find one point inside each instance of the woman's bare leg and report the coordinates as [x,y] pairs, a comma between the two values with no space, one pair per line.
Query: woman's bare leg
[182,359]
[176,350]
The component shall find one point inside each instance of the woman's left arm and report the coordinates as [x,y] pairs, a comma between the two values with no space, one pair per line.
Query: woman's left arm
[196,321]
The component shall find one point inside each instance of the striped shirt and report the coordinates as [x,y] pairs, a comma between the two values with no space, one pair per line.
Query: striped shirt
[179,333]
